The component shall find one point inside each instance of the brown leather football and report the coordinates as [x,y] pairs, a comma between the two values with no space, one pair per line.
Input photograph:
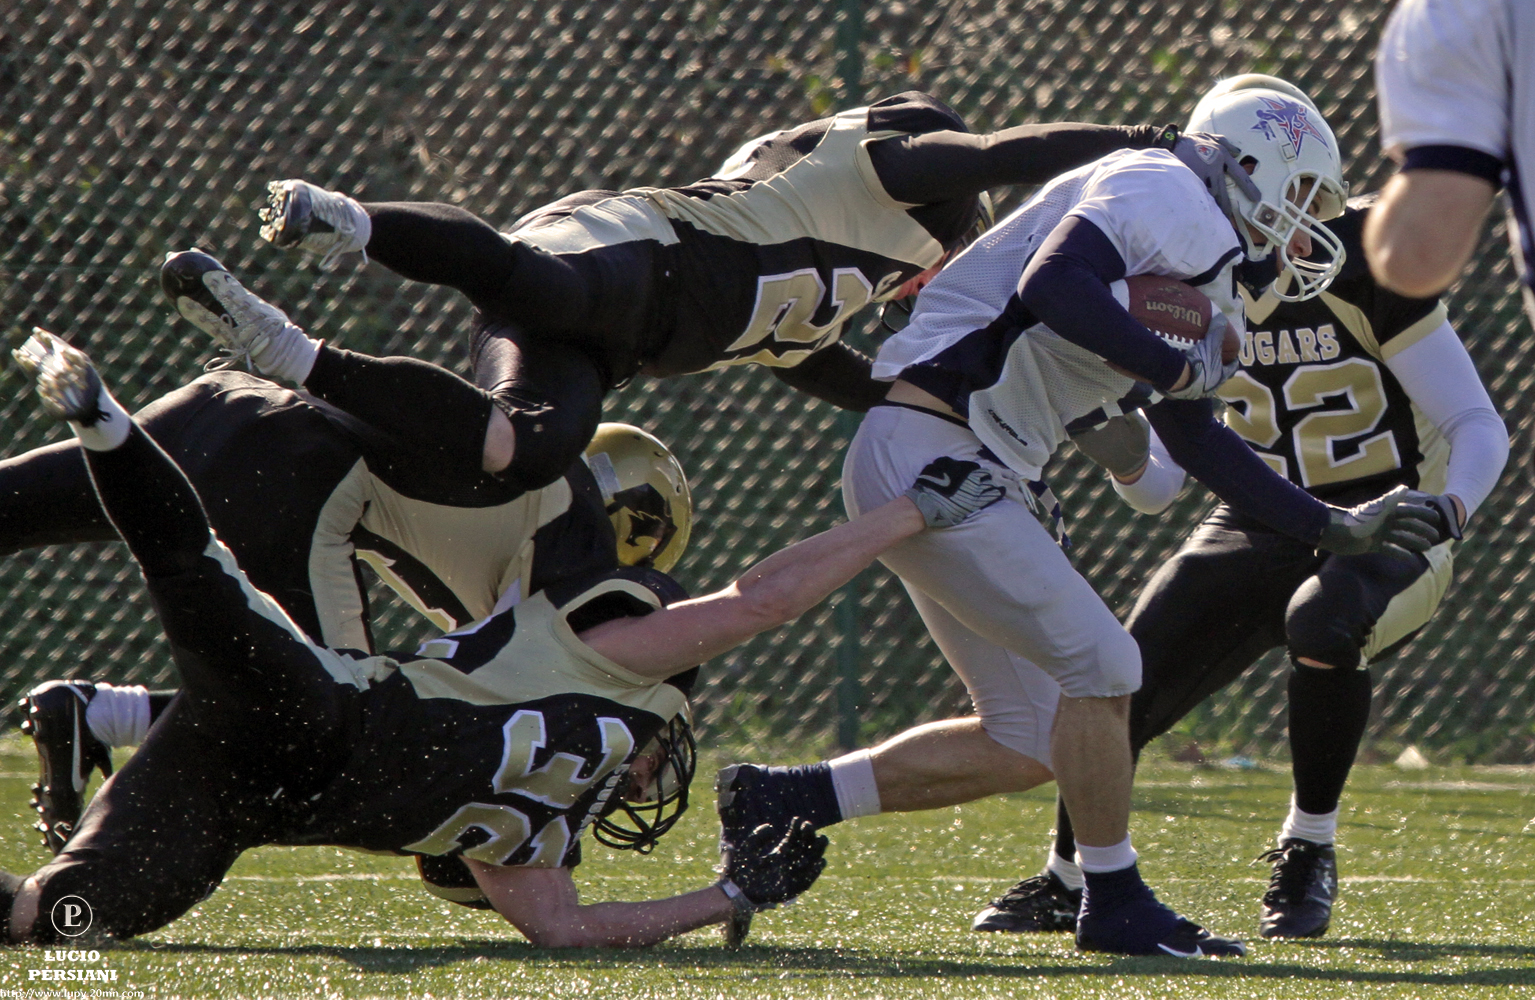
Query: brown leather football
[1176,312]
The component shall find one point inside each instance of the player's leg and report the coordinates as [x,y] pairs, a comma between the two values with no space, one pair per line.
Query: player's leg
[1201,621]
[1354,610]
[458,427]
[1005,748]
[1002,576]
[597,299]
[156,840]
[247,669]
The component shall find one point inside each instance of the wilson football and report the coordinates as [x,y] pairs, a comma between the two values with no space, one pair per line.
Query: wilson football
[1176,312]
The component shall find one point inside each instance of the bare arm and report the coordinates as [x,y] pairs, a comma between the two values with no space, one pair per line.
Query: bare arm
[1420,235]
[776,590]
[543,904]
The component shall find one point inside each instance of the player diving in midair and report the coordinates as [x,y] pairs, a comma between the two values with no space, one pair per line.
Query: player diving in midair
[1347,393]
[765,263]
[1017,343]
[496,745]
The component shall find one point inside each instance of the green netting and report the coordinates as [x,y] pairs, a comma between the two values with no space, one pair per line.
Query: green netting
[127,129]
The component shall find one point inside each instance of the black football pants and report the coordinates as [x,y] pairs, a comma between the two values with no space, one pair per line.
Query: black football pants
[264,473]
[556,332]
[1235,590]
[260,725]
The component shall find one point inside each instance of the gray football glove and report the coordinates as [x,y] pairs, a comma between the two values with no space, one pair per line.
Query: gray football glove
[1213,158]
[772,865]
[950,490]
[1207,371]
[1394,524]
[1122,445]
[1448,520]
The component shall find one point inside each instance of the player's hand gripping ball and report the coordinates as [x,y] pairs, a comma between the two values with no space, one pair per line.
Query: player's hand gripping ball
[1177,312]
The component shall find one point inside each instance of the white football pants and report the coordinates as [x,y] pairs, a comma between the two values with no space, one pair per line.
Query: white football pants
[1014,619]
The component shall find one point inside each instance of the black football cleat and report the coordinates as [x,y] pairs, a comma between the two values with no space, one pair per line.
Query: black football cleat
[1039,905]
[1134,922]
[53,714]
[1301,892]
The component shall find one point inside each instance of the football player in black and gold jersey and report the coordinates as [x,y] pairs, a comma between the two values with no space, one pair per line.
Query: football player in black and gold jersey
[764,262]
[1347,394]
[496,745]
[304,494]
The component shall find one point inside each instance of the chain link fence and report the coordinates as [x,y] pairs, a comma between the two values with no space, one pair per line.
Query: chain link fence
[129,128]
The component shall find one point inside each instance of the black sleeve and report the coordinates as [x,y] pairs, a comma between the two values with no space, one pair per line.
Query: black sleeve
[1213,453]
[1066,287]
[938,166]
[839,375]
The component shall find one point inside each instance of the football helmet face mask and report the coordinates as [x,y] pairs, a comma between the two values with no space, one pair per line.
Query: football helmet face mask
[1295,164]
[646,495]
[634,817]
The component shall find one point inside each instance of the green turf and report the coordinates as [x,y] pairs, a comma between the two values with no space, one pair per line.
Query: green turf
[1437,868]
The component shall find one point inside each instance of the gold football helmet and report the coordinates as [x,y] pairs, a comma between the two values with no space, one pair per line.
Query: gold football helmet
[646,494]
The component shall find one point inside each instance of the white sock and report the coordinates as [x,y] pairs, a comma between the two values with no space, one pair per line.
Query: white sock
[119,716]
[1067,871]
[289,356]
[1319,828]
[1105,859]
[852,777]
[108,432]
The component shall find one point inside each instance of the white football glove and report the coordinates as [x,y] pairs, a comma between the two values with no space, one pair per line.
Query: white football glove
[1207,371]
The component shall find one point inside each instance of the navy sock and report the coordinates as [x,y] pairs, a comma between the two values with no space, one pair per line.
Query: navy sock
[1108,891]
[805,791]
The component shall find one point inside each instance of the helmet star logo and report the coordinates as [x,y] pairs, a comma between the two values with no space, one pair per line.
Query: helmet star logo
[1288,118]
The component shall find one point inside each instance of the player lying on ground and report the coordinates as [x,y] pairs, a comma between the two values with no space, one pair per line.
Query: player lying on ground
[763,263]
[998,367]
[1348,393]
[303,494]
[498,750]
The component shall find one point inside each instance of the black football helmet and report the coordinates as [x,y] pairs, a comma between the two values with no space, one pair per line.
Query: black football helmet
[636,825]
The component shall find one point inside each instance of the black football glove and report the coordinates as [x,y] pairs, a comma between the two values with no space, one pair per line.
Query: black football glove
[950,490]
[772,865]
[1213,158]
[1448,522]
[1207,372]
[1394,524]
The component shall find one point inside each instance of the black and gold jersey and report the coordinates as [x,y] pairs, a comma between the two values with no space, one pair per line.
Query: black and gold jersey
[1314,397]
[496,741]
[766,261]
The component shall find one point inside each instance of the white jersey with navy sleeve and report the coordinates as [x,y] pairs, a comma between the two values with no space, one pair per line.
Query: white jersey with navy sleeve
[1461,73]
[1031,388]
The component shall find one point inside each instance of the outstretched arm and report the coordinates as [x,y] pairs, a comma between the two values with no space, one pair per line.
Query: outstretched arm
[936,166]
[788,583]
[543,904]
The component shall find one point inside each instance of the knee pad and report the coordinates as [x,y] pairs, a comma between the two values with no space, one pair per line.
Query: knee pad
[119,900]
[548,439]
[1323,630]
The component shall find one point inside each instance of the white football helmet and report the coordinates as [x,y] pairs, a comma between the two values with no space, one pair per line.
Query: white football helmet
[1297,169]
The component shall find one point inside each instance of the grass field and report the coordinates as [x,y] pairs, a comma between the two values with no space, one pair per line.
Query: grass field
[1437,870]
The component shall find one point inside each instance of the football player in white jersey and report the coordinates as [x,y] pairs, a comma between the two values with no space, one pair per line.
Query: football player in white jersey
[1017,344]
[1347,393]
[1456,84]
